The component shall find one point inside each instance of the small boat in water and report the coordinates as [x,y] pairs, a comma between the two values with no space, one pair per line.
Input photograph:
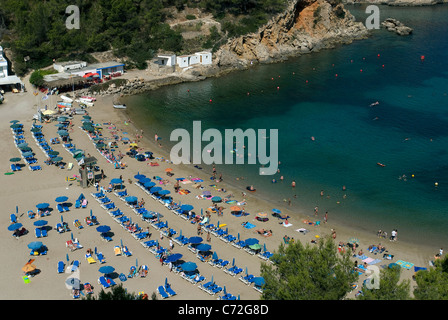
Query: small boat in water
[119,106]
[380,164]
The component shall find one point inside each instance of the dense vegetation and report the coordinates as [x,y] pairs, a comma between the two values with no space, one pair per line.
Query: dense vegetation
[319,272]
[135,29]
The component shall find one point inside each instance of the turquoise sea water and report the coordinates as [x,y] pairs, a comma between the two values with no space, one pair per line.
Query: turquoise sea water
[407,131]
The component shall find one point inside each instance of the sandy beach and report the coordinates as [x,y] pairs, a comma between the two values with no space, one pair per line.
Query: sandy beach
[27,188]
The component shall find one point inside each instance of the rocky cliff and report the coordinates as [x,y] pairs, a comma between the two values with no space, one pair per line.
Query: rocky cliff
[307,25]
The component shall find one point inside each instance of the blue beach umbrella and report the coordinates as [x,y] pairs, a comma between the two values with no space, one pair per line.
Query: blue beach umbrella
[251,241]
[174,257]
[186,207]
[61,199]
[149,184]
[144,180]
[215,256]
[103,229]
[188,266]
[116,181]
[63,133]
[259,281]
[106,269]
[164,192]
[216,199]
[203,247]
[40,223]
[35,245]
[14,226]
[195,240]
[276,211]
[139,176]
[22,145]
[43,205]
[131,199]
[148,215]
[155,189]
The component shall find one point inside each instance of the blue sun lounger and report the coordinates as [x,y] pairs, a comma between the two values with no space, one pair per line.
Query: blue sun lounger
[37,232]
[170,291]
[15,167]
[100,257]
[102,280]
[60,208]
[75,265]
[61,267]
[240,244]
[247,279]
[43,231]
[149,243]
[162,292]
[108,206]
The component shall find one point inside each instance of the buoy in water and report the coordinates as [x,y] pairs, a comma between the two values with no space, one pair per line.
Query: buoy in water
[422,58]
[436,184]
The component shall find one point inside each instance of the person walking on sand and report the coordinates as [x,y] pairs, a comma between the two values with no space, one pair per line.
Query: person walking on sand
[316,209]
[326,217]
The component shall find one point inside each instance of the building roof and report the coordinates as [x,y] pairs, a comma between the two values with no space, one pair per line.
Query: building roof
[96,66]
[67,63]
[10,80]
[62,79]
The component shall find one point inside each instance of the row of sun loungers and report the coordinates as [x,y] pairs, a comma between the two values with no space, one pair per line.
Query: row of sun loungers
[27,156]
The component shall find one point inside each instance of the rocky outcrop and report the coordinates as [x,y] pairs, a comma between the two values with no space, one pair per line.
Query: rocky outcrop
[306,26]
[396,26]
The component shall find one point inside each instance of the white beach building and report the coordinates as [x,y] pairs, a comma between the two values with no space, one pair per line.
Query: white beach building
[69,65]
[5,78]
[204,57]
[166,60]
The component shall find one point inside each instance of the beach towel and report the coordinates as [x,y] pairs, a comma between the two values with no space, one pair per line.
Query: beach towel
[367,260]
[248,225]
[375,261]
[405,264]
[361,257]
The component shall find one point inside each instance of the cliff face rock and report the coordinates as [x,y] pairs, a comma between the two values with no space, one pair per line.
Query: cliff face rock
[307,25]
